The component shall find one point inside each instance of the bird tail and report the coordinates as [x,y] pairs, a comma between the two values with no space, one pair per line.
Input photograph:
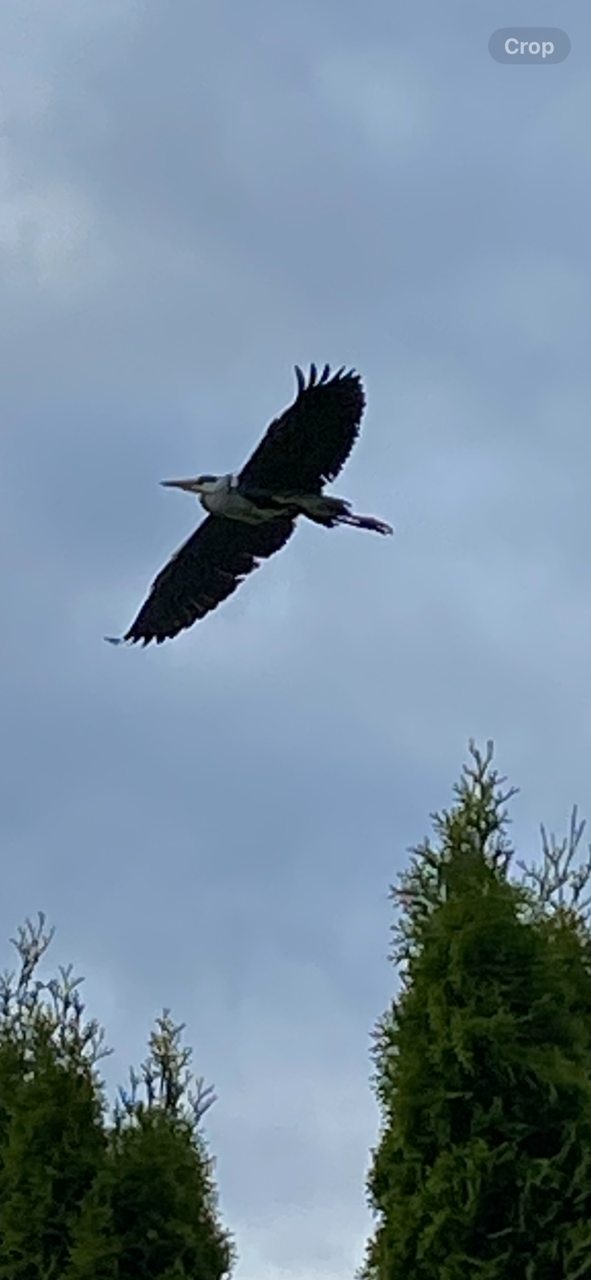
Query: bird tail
[332,511]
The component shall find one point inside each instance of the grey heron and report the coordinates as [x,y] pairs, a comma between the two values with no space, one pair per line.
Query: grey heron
[252,514]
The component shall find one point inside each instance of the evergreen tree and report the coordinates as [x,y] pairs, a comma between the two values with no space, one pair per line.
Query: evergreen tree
[82,1196]
[51,1136]
[152,1211]
[483,1066]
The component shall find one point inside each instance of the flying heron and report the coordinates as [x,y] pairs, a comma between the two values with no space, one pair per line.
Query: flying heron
[252,515]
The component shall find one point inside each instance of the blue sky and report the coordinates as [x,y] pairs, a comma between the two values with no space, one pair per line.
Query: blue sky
[193,198]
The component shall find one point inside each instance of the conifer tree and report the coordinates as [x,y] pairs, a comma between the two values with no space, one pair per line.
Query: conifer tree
[83,1195]
[51,1105]
[152,1210]
[483,1065]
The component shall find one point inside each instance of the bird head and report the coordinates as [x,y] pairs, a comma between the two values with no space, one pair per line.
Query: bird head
[199,485]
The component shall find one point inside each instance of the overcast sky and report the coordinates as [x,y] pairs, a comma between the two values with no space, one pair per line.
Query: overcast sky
[194,197]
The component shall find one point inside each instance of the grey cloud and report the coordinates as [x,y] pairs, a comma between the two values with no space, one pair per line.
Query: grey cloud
[188,206]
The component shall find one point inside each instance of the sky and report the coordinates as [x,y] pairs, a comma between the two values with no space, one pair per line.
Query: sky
[194,197]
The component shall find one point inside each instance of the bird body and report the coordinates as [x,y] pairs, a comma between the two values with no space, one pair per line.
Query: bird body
[252,514]
[222,496]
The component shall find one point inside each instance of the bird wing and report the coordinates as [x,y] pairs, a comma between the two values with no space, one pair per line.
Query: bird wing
[307,446]
[203,572]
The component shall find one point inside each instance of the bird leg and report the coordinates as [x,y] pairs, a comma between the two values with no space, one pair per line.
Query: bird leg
[324,509]
[365,522]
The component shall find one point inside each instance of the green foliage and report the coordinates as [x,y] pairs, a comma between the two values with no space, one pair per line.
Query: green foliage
[80,1196]
[51,1134]
[53,1144]
[151,1210]
[483,1067]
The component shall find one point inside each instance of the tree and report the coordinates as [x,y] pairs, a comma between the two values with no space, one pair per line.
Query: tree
[51,1105]
[152,1210]
[483,1065]
[83,1194]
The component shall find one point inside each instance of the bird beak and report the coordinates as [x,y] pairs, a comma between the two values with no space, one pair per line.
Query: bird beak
[190,486]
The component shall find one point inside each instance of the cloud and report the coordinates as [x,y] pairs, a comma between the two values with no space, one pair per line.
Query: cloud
[191,203]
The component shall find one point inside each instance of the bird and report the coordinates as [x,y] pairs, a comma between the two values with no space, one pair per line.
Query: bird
[252,514]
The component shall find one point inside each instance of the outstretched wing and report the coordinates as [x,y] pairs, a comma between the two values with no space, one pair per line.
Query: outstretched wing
[206,569]
[307,446]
